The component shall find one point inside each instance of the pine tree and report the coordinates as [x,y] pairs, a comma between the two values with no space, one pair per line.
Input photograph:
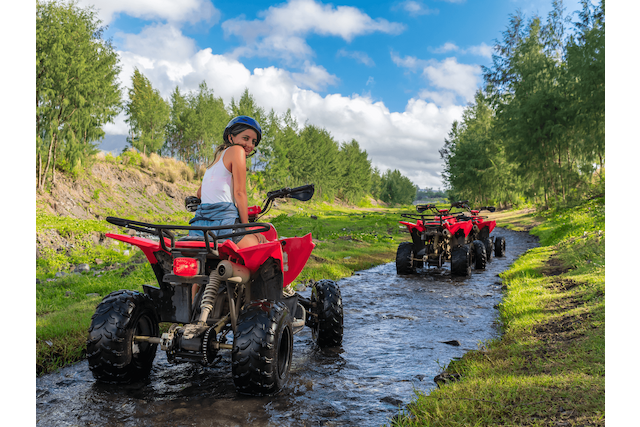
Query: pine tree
[147,114]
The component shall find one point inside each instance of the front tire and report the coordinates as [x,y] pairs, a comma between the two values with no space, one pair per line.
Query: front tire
[501,246]
[327,314]
[113,355]
[262,348]
[461,261]
[480,255]
[404,259]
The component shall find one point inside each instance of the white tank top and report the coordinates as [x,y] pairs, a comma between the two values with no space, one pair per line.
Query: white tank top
[217,184]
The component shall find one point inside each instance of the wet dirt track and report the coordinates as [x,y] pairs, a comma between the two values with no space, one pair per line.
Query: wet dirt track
[394,329]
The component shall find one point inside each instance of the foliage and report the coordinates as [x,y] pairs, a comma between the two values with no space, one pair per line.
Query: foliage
[147,115]
[537,129]
[396,188]
[197,123]
[76,87]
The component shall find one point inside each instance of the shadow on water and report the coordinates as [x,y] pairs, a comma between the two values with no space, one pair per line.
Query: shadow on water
[394,333]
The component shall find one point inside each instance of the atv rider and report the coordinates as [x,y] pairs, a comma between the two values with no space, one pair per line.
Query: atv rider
[223,191]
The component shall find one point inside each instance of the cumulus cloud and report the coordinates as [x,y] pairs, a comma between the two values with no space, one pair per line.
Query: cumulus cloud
[281,31]
[449,74]
[314,77]
[461,79]
[167,10]
[360,57]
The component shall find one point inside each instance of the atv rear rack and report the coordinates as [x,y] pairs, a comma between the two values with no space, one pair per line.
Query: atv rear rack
[164,231]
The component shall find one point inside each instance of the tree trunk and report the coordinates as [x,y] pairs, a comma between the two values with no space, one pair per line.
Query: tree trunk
[46,168]
[53,166]
[39,170]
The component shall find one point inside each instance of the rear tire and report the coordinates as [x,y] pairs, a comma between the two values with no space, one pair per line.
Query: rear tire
[480,255]
[461,261]
[404,259]
[326,303]
[113,355]
[501,246]
[488,246]
[262,348]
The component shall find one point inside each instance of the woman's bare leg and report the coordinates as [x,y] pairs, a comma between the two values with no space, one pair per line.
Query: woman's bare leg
[248,240]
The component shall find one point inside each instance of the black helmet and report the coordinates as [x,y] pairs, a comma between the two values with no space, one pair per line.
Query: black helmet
[243,120]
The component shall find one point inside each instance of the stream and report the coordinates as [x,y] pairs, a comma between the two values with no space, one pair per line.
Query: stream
[395,329]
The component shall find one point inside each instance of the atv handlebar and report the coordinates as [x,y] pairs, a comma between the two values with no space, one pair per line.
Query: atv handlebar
[302,193]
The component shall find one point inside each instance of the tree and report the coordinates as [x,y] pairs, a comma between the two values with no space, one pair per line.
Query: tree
[76,86]
[585,69]
[147,115]
[197,122]
[396,188]
[356,171]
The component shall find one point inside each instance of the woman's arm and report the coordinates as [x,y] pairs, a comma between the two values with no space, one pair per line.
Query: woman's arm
[199,192]
[238,159]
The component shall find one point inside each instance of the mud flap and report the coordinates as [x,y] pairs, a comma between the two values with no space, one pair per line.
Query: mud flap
[268,282]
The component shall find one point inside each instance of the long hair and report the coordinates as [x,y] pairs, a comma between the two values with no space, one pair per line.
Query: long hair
[239,128]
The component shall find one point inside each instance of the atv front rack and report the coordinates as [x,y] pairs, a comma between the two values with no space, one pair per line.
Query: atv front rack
[165,231]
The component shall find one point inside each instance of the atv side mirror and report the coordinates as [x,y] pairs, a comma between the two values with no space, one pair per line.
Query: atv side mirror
[303,193]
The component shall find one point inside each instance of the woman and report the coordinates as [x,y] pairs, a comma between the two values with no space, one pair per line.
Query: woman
[223,191]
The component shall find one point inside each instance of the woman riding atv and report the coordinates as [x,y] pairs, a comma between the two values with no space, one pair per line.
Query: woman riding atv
[223,191]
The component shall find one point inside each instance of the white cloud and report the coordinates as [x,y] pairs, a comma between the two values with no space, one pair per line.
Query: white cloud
[447,47]
[481,50]
[361,57]
[415,8]
[281,31]
[314,77]
[448,74]
[168,10]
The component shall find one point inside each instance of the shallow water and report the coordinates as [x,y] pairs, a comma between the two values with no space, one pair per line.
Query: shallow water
[394,329]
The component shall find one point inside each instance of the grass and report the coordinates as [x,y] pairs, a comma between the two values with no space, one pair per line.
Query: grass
[548,367]
[346,240]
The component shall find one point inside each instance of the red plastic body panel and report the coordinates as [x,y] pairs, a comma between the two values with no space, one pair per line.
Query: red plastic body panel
[296,253]
[412,226]
[296,249]
[490,224]
[453,227]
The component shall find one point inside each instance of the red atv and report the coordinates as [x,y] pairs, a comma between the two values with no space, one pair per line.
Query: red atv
[442,236]
[481,231]
[242,304]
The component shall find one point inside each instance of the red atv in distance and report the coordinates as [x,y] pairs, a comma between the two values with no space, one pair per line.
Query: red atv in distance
[442,236]
[482,229]
[241,299]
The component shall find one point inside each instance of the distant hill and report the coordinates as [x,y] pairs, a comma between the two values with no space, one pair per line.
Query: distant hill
[113,143]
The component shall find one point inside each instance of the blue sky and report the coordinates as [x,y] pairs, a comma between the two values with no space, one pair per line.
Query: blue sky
[392,75]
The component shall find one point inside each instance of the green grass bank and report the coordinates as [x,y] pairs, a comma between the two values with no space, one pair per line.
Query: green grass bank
[548,368]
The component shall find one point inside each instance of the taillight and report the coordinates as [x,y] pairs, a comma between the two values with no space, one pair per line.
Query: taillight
[186,267]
